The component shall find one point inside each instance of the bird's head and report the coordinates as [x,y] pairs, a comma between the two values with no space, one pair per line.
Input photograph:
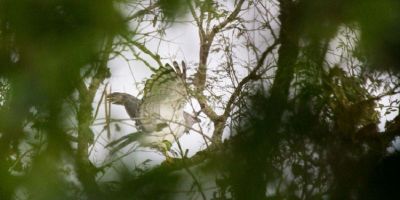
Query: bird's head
[118,98]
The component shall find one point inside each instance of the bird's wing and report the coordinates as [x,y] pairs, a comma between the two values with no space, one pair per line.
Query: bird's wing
[164,98]
[123,141]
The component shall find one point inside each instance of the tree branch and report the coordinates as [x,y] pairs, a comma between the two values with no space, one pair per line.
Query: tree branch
[145,50]
[85,169]
[220,123]
[246,79]
[205,44]
[229,19]
[142,12]
[199,23]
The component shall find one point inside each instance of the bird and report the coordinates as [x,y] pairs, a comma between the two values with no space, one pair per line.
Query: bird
[159,116]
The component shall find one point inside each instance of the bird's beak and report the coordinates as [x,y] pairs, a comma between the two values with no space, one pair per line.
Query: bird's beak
[110,98]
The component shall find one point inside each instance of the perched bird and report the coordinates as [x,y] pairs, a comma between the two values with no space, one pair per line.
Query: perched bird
[160,117]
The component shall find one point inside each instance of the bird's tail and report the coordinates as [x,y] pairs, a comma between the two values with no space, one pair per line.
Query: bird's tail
[123,141]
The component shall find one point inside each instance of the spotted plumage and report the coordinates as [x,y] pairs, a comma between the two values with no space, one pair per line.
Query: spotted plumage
[159,115]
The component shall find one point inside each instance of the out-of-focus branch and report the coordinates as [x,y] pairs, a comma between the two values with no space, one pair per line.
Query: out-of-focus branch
[142,12]
[85,169]
[191,174]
